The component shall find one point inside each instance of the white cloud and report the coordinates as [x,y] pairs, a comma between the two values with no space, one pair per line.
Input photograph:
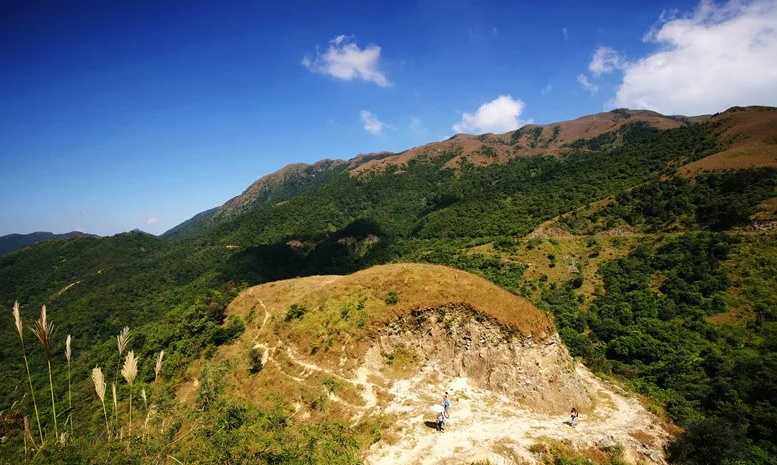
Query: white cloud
[343,59]
[499,115]
[371,123]
[587,84]
[606,60]
[151,220]
[546,90]
[718,56]
[566,34]
[416,126]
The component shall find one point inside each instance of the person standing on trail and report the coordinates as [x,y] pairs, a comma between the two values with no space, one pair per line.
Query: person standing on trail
[447,404]
[573,414]
[440,422]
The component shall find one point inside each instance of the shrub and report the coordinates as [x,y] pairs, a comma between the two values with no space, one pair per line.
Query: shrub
[393,297]
[255,356]
[296,312]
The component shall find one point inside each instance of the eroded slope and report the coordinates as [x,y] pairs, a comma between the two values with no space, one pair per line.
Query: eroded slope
[384,343]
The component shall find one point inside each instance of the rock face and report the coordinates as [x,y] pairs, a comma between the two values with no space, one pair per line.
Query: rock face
[467,343]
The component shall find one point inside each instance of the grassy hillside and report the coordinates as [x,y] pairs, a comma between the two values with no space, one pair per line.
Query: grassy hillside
[652,277]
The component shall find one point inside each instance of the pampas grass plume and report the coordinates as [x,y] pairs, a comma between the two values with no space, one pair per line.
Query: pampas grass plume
[18,321]
[122,339]
[17,318]
[130,369]
[115,402]
[158,367]
[99,387]
[129,372]
[44,330]
[99,382]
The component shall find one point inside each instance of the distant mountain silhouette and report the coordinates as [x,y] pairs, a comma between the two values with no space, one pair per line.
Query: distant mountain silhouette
[13,242]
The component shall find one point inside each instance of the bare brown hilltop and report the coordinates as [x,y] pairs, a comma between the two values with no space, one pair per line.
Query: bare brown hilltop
[753,135]
[380,346]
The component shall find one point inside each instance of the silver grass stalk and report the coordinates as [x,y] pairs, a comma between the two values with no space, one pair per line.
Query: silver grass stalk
[44,331]
[99,387]
[122,339]
[115,403]
[129,372]
[68,353]
[150,412]
[18,320]
[145,400]
[158,367]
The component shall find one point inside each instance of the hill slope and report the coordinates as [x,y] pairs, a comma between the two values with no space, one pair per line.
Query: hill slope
[372,355]
[662,281]
[12,242]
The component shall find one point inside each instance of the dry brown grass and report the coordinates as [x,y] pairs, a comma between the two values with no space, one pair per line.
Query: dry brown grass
[556,451]
[643,437]
[586,127]
[755,144]
[344,314]
[418,286]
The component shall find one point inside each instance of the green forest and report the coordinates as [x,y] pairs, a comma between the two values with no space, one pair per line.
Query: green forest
[686,316]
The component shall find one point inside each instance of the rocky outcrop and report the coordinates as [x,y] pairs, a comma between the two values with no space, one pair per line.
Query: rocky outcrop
[535,370]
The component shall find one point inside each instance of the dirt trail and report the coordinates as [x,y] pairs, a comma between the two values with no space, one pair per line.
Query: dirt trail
[487,426]
[363,373]
[484,425]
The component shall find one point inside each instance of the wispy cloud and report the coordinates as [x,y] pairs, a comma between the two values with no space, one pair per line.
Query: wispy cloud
[546,90]
[586,84]
[151,220]
[343,59]
[566,34]
[416,126]
[371,123]
[606,60]
[715,57]
[498,115]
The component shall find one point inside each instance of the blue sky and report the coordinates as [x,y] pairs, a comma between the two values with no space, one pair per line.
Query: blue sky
[124,115]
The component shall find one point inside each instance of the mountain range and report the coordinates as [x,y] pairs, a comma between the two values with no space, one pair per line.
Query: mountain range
[295,316]
[12,242]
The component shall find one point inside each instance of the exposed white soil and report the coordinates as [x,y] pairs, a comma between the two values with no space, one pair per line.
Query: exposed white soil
[488,422]
[489,426]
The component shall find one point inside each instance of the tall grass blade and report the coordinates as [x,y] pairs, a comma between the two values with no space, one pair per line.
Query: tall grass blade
[44,331]
[123,339]
[115,403]
[18,321]
[129,372]
[68,353]
[99,387]
[158,367]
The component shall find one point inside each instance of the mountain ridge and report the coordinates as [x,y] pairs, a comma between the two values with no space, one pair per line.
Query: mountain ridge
[12,242]
[478,150]
[655,279]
